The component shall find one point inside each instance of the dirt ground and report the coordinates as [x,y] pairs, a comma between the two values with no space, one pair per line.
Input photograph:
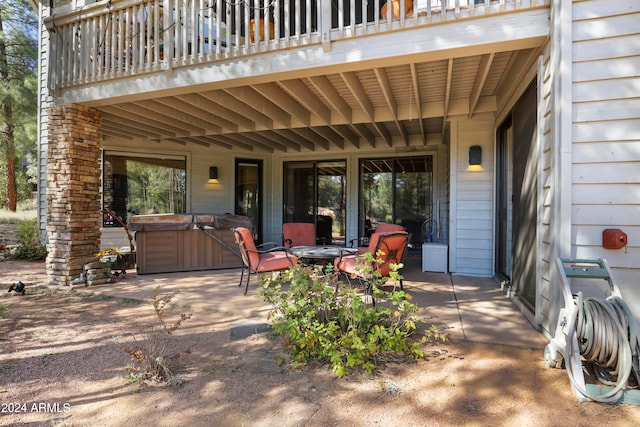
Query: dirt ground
[62,364]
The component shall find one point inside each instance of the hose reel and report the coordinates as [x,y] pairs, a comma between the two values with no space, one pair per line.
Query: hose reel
[602,333]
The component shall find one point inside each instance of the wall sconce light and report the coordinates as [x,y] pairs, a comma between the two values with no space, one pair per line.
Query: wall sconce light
[475,155]
[213,172]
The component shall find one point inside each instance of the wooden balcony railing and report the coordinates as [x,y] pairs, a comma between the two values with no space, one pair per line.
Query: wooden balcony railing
[115,39]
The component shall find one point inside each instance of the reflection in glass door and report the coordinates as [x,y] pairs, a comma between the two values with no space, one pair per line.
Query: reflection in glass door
[248,196]
[315,192]
[398,191]
[504,200]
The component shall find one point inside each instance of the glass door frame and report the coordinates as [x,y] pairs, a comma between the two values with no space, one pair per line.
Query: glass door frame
[259,221]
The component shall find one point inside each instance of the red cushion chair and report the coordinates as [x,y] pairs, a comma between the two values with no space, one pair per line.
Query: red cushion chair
[382,227]
[260,261]
[298,234]
[388,247]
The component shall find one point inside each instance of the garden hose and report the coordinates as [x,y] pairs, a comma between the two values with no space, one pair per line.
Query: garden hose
[607,337]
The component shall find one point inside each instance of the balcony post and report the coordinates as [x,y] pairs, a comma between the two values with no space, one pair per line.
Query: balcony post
[325,24]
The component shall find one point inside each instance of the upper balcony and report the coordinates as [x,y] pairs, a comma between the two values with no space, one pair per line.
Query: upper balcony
[114,39]
[336,74]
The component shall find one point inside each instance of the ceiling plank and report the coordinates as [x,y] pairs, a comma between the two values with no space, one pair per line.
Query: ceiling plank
[481,77]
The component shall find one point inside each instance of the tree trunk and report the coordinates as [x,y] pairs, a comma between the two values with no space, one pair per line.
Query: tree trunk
[9,149]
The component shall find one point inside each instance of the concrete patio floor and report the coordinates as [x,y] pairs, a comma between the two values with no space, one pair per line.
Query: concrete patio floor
[469,308]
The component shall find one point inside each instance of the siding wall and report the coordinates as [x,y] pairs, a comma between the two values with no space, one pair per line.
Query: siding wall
[45,101]
[591,145]
[472,199]
[606,135]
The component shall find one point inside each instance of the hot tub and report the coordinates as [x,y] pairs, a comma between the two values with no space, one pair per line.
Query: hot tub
[186,242]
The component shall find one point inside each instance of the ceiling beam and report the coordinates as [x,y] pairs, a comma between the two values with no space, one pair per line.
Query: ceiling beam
[447,97]
[481,77]
[288,134]
[261,104]
[282,98]
[324,86]
[307,98]
[354,85]
[198,106]
[230,102]
[312,136]
[383,80]
[415,84]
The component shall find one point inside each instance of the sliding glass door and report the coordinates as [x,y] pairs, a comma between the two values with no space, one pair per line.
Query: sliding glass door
[314,191]
[248,200]
[399,191]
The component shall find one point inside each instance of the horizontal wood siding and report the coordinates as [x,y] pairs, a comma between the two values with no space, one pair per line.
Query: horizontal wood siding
[45,102]
[472,222]
[606,132]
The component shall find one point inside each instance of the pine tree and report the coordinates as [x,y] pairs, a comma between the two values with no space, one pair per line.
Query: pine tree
[18,87]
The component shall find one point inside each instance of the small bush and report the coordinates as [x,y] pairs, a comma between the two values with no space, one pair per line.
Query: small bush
[155,358]
[28,241]
[324,319]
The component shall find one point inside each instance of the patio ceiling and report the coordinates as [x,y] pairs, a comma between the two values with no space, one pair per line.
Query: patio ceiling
[395,106]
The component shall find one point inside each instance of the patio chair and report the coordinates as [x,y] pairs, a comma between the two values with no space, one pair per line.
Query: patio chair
[382,227]
[389,247]
[298,234]
[260,261]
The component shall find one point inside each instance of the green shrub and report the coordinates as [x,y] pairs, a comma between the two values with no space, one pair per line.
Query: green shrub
[28,241]
[324,319]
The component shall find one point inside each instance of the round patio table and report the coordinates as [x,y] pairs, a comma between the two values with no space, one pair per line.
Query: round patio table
[320,254]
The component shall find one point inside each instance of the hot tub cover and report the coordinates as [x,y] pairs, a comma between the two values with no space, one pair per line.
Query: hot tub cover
[167,222]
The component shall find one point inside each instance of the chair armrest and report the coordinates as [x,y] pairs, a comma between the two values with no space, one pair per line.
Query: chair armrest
[362,241]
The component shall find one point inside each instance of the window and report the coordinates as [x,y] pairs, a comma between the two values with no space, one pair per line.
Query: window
[141,184]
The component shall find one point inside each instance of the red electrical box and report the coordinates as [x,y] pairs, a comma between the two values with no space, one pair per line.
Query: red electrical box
[614,238]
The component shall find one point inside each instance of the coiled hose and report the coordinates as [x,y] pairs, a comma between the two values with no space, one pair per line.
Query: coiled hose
[607,337]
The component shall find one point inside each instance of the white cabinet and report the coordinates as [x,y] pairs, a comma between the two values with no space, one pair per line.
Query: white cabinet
[435,257]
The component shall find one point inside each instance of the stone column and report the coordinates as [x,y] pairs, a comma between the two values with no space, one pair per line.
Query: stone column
[73,191]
